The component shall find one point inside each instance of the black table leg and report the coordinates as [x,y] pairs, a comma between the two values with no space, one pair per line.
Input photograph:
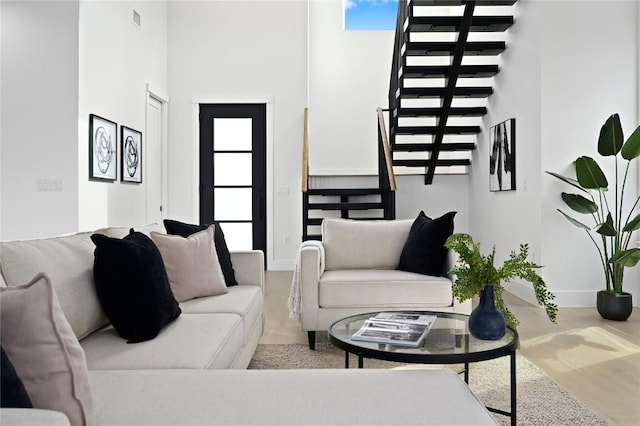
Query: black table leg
[360,360]
[513,388]
[346,359]
[466,372]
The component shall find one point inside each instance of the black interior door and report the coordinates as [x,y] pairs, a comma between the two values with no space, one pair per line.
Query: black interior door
[233,172]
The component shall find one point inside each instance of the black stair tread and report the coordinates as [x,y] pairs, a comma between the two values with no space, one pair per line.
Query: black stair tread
[421,147]
[441,48]
[439,92]
[452,23]
[430,130]
[442,71]
[345,206]
[344,191]
[316,221]
[435,111]
[425,163]
[460,2]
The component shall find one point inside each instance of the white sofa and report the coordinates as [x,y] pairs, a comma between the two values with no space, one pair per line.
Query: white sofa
[212,332]
[191,374]
[353,271]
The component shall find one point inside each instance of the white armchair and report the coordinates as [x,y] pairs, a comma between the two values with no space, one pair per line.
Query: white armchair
[353,271]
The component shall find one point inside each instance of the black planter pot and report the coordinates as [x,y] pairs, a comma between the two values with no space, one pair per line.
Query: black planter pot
[486,322]
[615,307]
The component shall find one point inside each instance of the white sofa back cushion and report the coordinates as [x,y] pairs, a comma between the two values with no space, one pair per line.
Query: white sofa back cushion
[68,261]
[363,244]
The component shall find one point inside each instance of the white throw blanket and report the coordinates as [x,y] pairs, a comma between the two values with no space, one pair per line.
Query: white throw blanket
[295,313]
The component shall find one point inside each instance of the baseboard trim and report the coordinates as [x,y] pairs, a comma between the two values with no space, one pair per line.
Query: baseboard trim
[564,298]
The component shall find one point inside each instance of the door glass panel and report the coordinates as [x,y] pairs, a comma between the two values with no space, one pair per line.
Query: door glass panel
[232,134]
[238,236]
[232,204]
[232,169]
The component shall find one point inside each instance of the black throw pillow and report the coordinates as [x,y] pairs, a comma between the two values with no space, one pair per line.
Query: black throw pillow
[174,227]
[424,252]
[12,391]
[132,286]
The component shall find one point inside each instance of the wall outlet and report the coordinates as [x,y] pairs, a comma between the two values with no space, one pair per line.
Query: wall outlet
[49,185]
[286,240]
[282,190]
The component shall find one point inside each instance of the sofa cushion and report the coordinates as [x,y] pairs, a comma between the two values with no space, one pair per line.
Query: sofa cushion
[132,286]
[222,251]
[197,341]
[12,392]
[191,263]
[44,351]
[286,397]
[246,301]
[383,289]
[68,262]
[356,244]
[424,251]
[32,417]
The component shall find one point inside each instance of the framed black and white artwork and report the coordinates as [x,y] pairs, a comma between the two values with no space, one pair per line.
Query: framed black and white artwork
[502,156]
[103,142]
[131,163]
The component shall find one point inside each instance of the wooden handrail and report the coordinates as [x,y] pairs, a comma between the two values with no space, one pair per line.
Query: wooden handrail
[387,150]
[305,151]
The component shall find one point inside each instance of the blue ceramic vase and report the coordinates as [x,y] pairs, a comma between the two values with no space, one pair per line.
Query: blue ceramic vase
[486,322]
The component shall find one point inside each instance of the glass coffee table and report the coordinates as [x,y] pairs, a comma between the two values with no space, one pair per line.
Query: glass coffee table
[447,342]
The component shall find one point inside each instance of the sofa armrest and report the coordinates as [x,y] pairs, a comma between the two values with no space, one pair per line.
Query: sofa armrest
[248,266]
[311,269]
[32,417]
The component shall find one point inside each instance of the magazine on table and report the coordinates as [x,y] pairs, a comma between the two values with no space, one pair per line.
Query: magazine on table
[395,328]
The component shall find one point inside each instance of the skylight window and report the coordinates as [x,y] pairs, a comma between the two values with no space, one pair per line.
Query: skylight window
[370,14]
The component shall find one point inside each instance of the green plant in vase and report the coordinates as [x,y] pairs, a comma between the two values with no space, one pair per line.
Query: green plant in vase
[475,273]
[612,228]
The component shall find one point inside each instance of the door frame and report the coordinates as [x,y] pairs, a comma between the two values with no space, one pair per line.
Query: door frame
[161,96]
[267,100]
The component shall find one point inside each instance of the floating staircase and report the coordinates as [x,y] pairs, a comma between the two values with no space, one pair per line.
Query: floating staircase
[445,55]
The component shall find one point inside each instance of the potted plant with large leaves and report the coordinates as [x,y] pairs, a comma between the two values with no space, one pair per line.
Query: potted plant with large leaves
[612,224]
[477,274]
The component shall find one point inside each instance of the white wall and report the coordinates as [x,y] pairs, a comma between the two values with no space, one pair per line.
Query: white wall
[506,219]
[117,60]
[568,66]
[240,51]
[579,93]
[348,79]
[39,105]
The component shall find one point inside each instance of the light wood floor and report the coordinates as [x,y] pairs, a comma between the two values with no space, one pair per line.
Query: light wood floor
[598,361]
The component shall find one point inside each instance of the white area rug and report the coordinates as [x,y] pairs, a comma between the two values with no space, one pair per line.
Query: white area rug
[541,401]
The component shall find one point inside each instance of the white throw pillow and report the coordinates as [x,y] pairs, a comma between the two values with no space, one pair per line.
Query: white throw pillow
[44,351]
[192,264]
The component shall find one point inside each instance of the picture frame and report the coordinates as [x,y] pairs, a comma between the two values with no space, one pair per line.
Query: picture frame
[103,149]
[502,156]
[131,155]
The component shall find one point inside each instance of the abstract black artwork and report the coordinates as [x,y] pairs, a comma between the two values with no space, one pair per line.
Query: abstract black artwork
[131,163]
[502,156]
[103,141]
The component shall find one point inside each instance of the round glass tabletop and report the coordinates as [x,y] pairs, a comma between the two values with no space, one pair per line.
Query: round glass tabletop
[448,341]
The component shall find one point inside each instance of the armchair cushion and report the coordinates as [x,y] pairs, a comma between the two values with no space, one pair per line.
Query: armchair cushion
[382,289]
[424,251]
[354,244]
